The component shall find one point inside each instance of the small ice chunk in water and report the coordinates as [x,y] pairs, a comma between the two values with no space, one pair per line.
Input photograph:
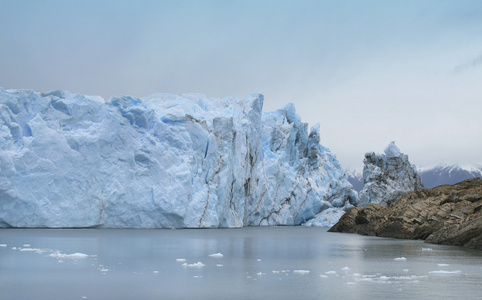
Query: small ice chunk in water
[426,249]
[259,274]
[26,245]
[400,258]
[216,255]
[196,265]
[443,265]
[442,272]
[219,265]
[301,272]
[181,260]
[345,268]
[76,255]
[3,245]
[330,272]
[323,276]
[405,270]
[259,259]
[275,272]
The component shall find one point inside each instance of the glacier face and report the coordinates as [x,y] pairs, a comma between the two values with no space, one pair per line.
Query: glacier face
[163,161]
[388,176]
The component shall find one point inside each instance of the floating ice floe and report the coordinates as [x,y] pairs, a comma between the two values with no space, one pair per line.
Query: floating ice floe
[330,272]
[301,272]
[181,260]
[36,250]
[3,245]
[219,265]
[345,268]
[71,256]
[155,272]
[443,272]
[443,265]
[400,258]
[216,255]
[426,249]
[195,265]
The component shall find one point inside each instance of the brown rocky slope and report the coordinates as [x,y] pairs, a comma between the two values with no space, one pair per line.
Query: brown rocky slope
[448,214]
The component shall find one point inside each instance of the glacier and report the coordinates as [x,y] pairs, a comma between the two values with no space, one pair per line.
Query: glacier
[388,177]
[163,161]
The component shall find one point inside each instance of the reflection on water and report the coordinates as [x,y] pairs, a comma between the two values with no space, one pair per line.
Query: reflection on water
[267,262]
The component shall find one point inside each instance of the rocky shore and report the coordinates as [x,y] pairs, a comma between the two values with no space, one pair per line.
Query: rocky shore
[449,215]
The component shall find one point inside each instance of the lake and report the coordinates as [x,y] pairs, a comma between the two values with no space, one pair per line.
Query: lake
[246,263]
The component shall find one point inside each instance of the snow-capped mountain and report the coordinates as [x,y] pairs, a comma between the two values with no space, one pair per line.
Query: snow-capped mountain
[163,161]
[448,174]
[355,177]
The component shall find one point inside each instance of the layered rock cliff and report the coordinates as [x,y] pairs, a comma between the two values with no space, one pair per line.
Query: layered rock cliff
[446,214]
[70,160]
[388,176]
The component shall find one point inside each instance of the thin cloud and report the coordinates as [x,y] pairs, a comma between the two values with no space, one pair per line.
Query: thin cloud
[473,63]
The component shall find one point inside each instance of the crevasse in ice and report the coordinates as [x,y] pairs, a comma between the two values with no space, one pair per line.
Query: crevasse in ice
[163,161]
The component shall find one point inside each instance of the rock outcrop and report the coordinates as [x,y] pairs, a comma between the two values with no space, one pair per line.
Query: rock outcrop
[387,177]
[450,215]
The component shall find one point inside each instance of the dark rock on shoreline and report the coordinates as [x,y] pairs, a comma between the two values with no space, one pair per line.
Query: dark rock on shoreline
[449,215]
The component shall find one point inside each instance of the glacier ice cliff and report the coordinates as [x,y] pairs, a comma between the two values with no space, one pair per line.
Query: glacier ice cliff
[163,161]
[388,177]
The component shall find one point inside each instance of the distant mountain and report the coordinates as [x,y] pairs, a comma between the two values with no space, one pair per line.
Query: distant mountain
[440,175]
[431,176]
[355,177]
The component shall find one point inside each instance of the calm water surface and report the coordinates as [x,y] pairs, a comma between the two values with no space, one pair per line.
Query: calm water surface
[256,263]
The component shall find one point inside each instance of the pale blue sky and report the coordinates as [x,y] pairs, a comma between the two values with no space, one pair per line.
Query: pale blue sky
[368,71]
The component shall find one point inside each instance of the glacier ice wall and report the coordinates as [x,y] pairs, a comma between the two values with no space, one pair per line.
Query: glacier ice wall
[163,161]
[388,176]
